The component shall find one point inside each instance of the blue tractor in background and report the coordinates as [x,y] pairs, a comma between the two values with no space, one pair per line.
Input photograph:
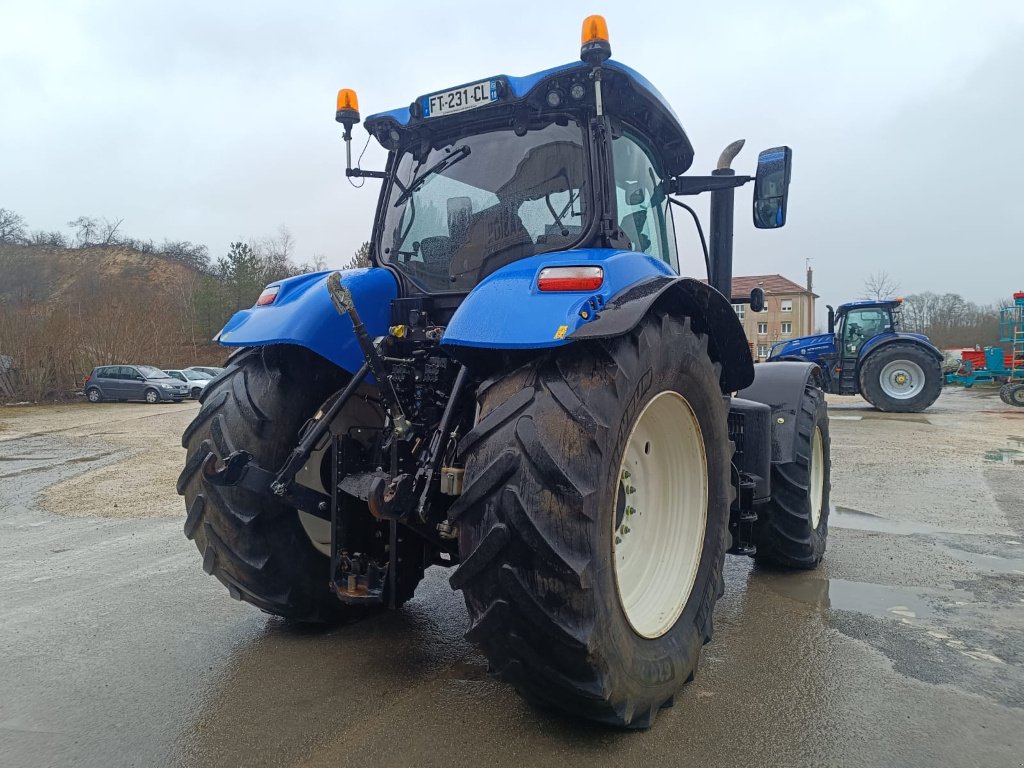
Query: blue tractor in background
[865,353]
[522,386]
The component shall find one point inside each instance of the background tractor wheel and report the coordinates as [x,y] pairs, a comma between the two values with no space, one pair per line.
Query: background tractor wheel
[1015,395]
[257,547]
[901,378]
[594,521]
[792,529]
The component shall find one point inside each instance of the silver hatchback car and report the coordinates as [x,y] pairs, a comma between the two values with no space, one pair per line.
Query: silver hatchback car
[133,382]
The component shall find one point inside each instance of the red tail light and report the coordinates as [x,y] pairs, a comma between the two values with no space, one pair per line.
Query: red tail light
[268,295]
[570,278]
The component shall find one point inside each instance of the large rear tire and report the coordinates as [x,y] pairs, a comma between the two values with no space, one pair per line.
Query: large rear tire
[574,454]
[901,378]
[257,547]
[792,529]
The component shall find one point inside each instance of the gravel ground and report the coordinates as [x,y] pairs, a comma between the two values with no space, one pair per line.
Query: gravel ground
[906,647]
[137,458]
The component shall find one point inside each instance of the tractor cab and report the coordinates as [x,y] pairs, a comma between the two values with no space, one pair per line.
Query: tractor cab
[855,324]
[505,168]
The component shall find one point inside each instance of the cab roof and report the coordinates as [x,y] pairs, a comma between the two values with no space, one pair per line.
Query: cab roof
[885,303]
[626,93]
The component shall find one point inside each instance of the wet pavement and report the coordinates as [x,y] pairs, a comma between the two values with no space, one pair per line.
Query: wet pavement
[905,648]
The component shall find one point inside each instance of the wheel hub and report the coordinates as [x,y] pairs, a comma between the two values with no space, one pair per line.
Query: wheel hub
[660,514]
[902,379]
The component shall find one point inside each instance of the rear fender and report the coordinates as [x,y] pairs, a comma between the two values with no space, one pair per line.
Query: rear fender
[507,311]
[710,311]
[302,314]
[917,339]
[781,386]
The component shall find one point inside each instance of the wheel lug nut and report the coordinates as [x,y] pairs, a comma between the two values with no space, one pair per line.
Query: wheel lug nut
[630,511]
[626,475]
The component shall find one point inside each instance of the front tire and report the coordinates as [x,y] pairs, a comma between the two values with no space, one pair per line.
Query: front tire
[152,396]
[257,547]
[901,378]
[792,529]
[561,461]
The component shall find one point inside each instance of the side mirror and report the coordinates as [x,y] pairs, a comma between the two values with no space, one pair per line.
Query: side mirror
[139,378]
[771,187]
[831,320]
[757,299]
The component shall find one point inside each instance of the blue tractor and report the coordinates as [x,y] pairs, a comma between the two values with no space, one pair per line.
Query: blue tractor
[523,387]
[865,353]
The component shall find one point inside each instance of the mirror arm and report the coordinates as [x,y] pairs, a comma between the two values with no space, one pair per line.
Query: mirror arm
[694,185]
[359,173]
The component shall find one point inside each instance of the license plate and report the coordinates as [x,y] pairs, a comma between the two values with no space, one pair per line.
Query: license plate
[460,99]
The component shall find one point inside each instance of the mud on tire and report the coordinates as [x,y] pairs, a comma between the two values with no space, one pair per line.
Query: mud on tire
[536,523]
[792,529]
[256,546]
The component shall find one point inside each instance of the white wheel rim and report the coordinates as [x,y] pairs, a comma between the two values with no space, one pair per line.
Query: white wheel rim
[660,514]
[901,379]
[817,473]
[151,397]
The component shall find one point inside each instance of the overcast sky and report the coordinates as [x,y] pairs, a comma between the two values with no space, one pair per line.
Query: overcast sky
[214,121]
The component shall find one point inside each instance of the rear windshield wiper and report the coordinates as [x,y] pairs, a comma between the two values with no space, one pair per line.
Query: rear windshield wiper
[445,162]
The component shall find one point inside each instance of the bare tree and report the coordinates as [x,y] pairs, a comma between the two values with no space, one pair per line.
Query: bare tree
[108,231]
[12,227]
[880,285]
[86,229]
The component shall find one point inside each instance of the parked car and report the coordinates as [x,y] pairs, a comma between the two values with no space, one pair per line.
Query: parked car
[133,382]
[210,369]
[194,380]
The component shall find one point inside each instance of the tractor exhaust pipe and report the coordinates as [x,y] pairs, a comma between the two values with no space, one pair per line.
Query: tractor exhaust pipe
[722,214]
[831,319]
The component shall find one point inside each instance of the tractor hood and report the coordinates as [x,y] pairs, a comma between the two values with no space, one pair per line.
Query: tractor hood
[803,346]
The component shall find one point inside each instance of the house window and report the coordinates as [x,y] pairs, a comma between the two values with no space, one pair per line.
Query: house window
[762,329]
[787,329]
[787,305]
[762,350]
[740,310]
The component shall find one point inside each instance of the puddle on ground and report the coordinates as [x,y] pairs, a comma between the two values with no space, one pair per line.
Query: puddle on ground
[983,562]
[855,519]
[1013,456]
[917,418]
[839,594]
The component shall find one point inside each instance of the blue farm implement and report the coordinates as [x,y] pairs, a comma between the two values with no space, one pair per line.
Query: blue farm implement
[523,386]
